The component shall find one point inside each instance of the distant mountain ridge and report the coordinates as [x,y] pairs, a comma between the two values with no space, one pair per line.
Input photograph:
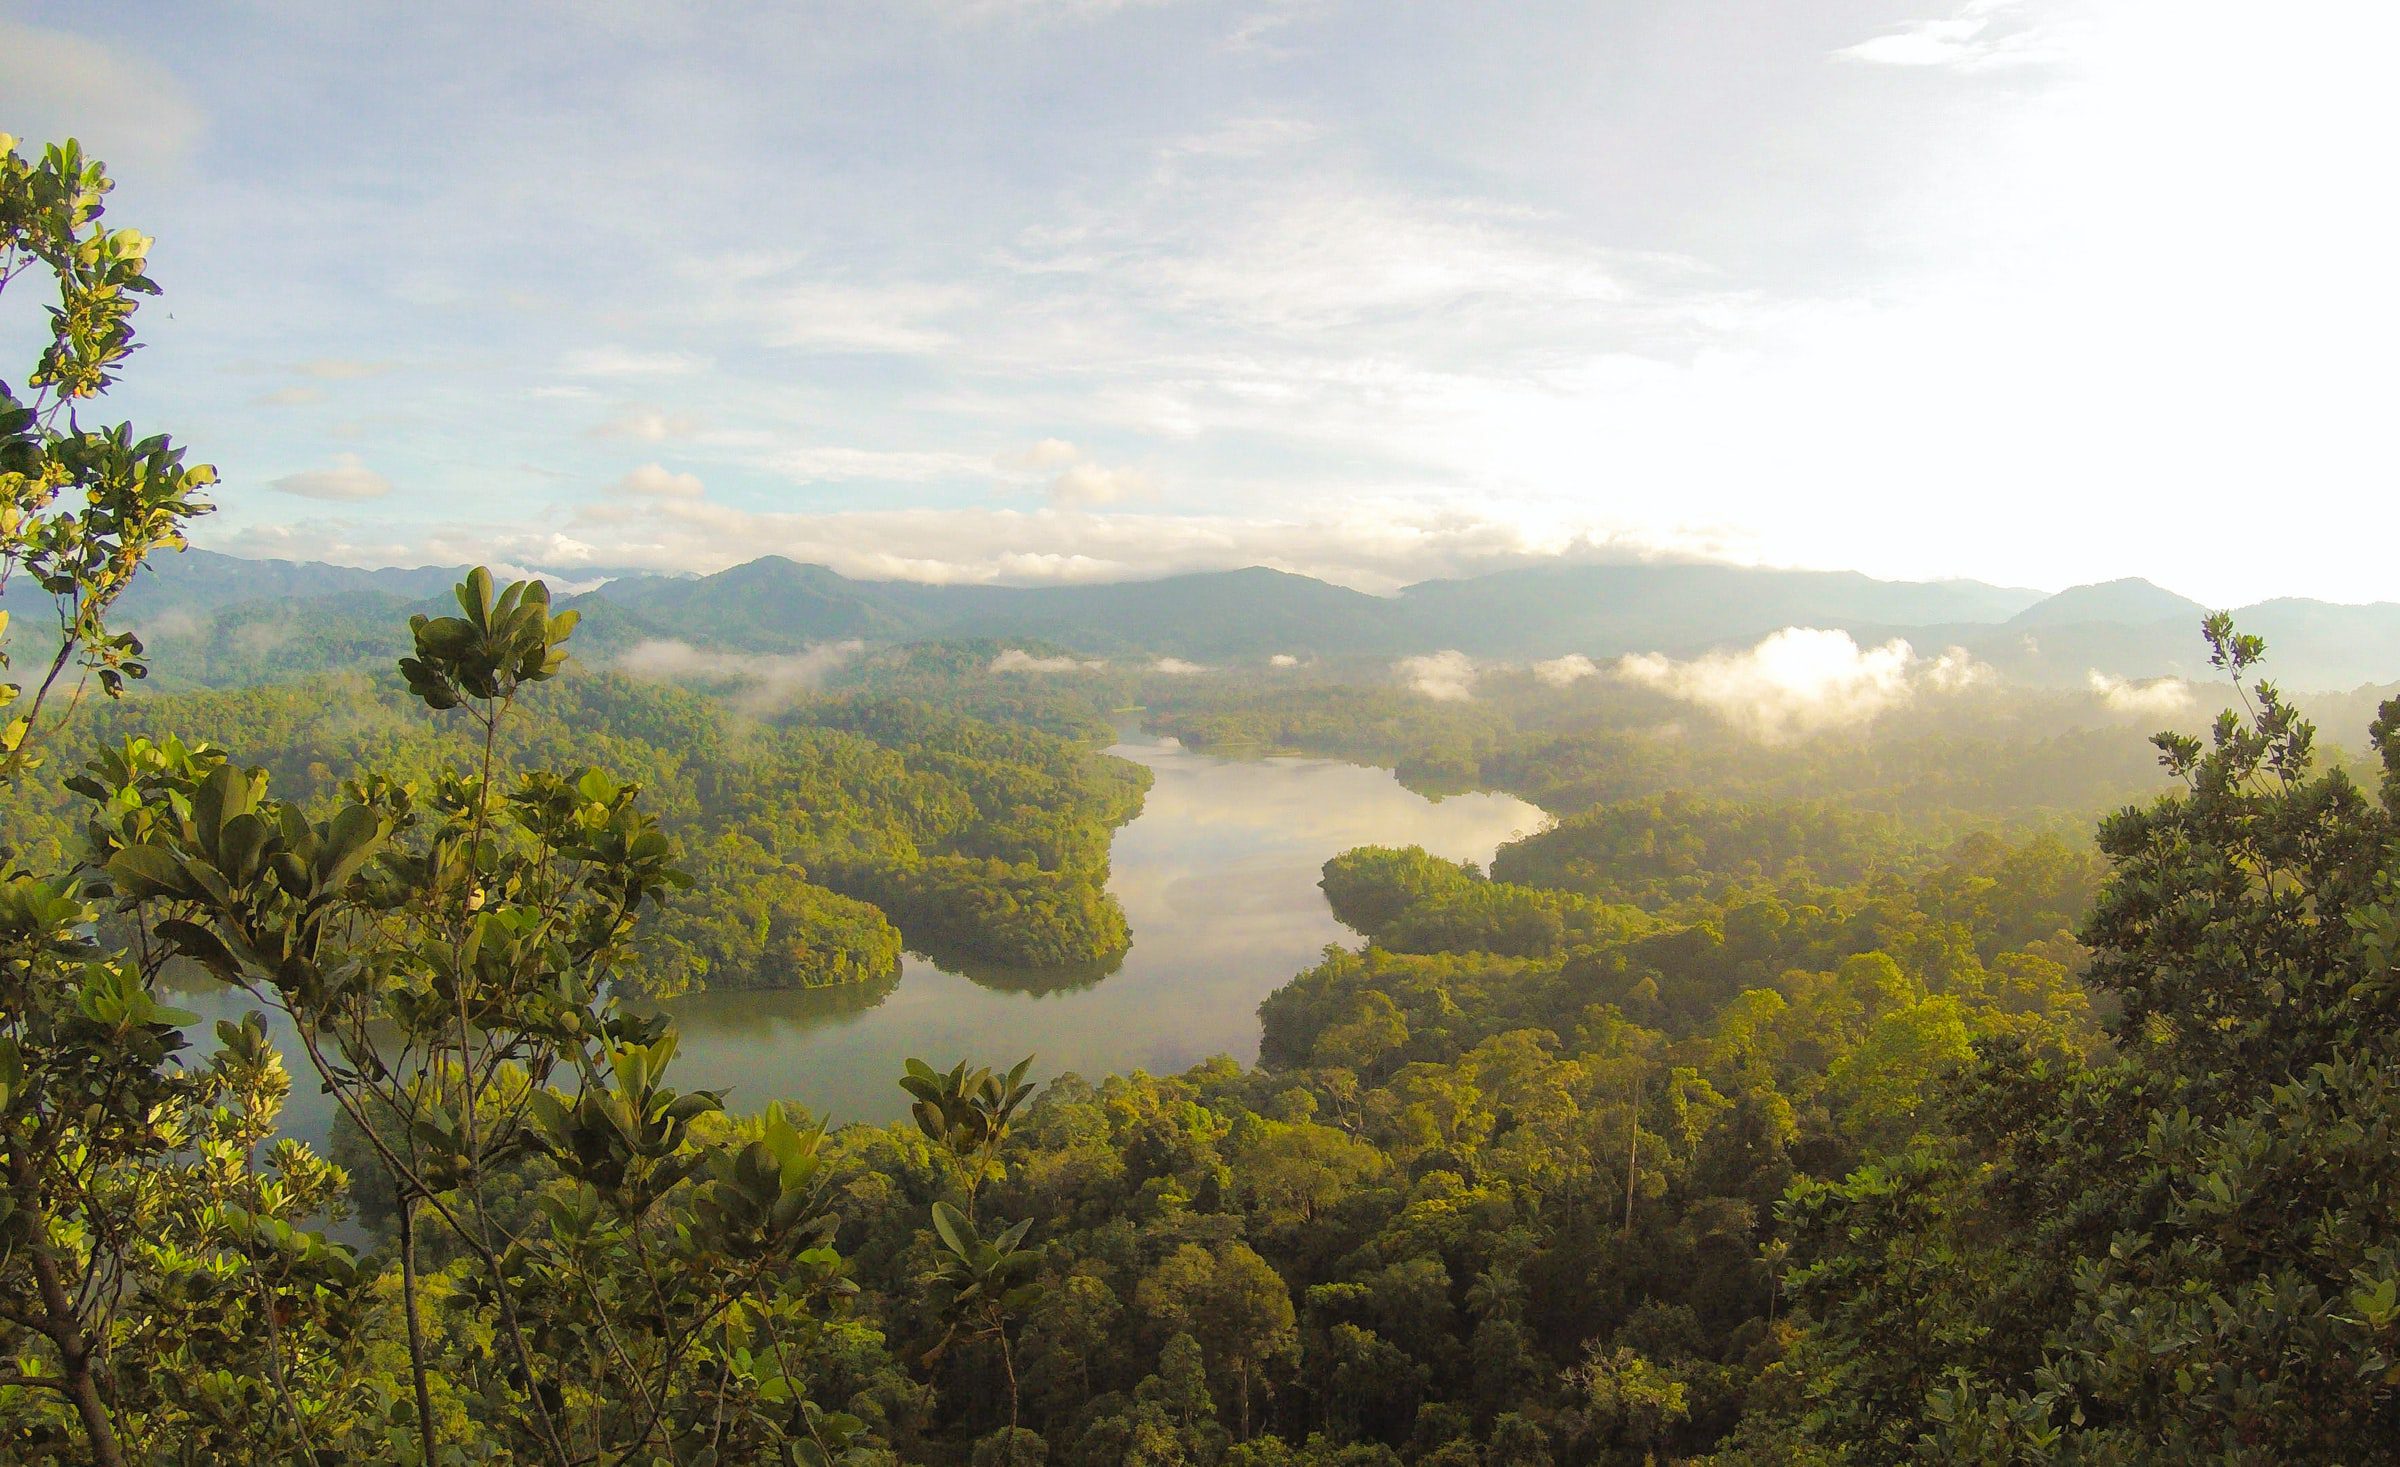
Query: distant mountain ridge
[2127,628]
[1540,611]
[777,603]
[2128,602]
[1616,609]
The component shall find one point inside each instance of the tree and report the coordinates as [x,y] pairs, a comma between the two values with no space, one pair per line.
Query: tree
[1374,1031]
[1517,1441]
[2182,1252]
[1071,1331]
[1296,1171]
[445,957]
[982,1286]
[130,1198]
[81,509]
[1624,1399]
[1011,1446]
[1232,1302]
[967,1114]
[1880,1086]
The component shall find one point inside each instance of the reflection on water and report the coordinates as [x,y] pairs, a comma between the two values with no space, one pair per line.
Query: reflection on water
[1219,878]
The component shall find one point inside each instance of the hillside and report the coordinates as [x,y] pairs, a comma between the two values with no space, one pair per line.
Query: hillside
[233,620]
[770,602]
[1610,610]
[2131,601]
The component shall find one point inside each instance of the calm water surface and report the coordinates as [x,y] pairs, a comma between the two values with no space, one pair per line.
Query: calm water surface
[1219,878]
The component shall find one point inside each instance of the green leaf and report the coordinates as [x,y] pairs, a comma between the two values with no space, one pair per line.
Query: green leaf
[143,871]
[351,840]
[203,946]
[953,1228]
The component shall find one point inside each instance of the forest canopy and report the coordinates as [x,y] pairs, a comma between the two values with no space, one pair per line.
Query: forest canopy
[819,841]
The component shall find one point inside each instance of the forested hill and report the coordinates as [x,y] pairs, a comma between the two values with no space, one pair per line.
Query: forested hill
[818,842]
[228,620]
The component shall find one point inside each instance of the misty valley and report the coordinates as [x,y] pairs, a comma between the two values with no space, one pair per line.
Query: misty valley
[1426,1056]
[1218,880]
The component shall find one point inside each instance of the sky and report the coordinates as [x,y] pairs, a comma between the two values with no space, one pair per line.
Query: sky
[2038,292]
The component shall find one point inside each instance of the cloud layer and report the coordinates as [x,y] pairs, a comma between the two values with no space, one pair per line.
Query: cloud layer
[660,519]
[1561,672]
[1274,283]
[1017,659]
[347,479]
[1803,680]
[762,682]
[1445,677]
[2154,698]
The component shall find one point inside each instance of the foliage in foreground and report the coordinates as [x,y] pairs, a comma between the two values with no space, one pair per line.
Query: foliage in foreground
[2187,1249]
[817,843]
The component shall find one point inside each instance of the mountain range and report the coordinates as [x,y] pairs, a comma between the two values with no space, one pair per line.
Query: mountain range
[2122,629]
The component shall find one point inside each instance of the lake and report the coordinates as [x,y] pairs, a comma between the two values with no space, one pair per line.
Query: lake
[1218,876]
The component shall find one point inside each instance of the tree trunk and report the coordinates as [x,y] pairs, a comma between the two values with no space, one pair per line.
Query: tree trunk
[1633,1154]
[416,1327]
[1008,1364]
[74,1350]
[61,1324]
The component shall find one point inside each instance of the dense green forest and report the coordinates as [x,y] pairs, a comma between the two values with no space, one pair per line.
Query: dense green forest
[810,837]
[1837,1102]
[2003,755]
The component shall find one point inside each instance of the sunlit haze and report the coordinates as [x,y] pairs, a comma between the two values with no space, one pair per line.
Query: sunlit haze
[1027,290]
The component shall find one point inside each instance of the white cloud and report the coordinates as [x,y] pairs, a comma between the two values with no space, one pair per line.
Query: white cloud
[643,424]
[655,481]
[1090,484]
[129,113]
[1447,677]
[1050,453]
[891,319]
[347,479]
[1955,670]
[1016,659]
[341,369]
[1082,482]
[1559,672]
[289,397]
[1801,680]
[899,466]
[1255,136]
[1176,667]
[2154,698]
[617,361]
[262,638]
[176,624]
[1876,259]
[1039,12]
[1283,659]
[505,571]
[1292,251]
[763,682]
[1368,544]
[1975,38]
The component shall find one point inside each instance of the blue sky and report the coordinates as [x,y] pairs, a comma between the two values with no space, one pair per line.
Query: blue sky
[2039,292]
